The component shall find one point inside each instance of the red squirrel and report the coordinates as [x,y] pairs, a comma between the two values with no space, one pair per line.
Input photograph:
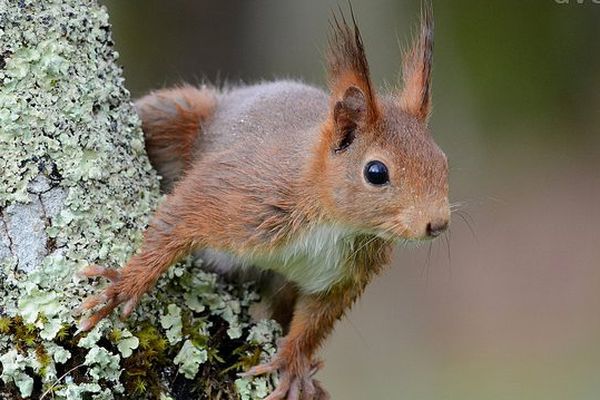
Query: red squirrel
[282,176]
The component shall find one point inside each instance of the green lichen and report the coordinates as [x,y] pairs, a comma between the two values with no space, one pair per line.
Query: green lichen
[104,364]
[76,188]
[171,321]
[250,389]
[59,353]
[127,343]
[189,359]
[13,371]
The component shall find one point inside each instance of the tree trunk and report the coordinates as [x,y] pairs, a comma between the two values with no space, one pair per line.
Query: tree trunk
[76,188]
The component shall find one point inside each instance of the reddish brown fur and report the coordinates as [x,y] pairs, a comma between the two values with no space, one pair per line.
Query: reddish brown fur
[415,98]
[220,205]
[347,64]
[171,121]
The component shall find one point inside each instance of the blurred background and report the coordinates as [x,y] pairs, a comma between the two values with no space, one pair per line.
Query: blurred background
[508,307]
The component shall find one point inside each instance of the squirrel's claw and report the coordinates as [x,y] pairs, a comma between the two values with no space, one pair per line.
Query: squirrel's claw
[261,369]
[298,388]
[129,307]
[283,388]
[292,386]
[111,297]
[320,392]
[90,322]
[94,270]
[89,303]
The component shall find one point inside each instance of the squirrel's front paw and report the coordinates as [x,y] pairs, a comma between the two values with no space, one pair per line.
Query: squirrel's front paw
[113,295]
[295,379]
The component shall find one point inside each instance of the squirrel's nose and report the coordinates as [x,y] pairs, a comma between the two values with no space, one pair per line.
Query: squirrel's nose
[437,227]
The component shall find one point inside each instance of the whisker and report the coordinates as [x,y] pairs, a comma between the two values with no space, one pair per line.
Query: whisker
[457,205]
[425,268]
[465,203]
[355,252]
[447,236]
[467,219]
[447,241]
[468,215]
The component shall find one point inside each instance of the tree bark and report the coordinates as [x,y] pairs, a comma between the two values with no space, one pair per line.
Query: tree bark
[76,188]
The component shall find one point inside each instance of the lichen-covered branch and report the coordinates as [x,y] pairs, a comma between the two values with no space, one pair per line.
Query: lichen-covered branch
[76,188]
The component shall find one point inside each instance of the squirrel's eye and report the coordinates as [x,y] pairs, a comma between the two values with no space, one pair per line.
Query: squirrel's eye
[376,173]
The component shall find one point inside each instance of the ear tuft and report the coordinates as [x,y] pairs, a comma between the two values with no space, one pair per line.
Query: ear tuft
[415,98]
[347,65]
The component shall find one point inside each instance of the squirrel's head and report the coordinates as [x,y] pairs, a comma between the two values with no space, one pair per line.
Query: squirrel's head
[380,169]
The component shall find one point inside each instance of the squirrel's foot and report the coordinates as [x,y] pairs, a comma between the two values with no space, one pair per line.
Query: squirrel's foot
[294,384]
[113,295]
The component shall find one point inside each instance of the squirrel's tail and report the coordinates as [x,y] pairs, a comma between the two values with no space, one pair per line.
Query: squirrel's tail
[171,121]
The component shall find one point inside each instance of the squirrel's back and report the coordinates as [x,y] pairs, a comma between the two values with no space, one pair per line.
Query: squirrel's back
[185,124]
[280,112]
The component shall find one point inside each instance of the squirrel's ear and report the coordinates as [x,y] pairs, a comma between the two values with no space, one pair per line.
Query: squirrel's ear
[351,109]
[348,113]
[349,79]
[415,97]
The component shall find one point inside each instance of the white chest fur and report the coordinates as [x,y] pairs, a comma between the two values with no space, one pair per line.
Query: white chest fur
[315,261]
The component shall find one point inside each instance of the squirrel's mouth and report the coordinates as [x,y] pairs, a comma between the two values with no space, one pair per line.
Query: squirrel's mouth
[414,229]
